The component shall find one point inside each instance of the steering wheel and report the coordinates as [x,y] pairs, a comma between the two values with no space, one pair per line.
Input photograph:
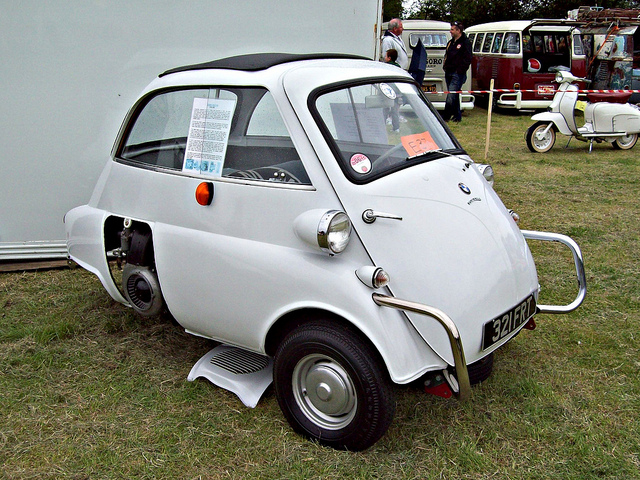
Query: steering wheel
[386,155]
[271,174]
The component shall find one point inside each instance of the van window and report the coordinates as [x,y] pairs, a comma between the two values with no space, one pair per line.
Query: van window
[511,43]
[497,43]
[471,37]
[577,45]
[486,46]
[429,39]
[477,45]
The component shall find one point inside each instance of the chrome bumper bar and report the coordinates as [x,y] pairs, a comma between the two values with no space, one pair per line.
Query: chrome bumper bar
[579,264]
[464,386]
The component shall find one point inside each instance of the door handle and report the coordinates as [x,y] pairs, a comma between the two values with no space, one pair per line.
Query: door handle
[369,216]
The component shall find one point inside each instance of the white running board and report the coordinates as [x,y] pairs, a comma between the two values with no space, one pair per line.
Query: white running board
[247,374]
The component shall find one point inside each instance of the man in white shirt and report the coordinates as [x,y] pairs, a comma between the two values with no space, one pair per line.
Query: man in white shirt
[393,39]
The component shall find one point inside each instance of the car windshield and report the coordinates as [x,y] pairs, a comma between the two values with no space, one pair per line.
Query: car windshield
[380,128]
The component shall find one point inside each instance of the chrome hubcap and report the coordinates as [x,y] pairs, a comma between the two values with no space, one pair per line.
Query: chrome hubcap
[324,392]
[540,140]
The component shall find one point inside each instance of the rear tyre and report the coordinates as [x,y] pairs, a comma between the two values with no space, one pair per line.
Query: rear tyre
[625,143]
[543,144]
[332,387]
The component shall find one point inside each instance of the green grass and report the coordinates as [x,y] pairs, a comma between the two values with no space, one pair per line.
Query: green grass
[89,390]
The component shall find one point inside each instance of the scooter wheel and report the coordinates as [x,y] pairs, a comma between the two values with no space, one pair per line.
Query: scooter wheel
[540,144]
[625,143]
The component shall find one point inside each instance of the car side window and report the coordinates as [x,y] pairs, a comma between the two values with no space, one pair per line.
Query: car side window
[159,135]
[229,132]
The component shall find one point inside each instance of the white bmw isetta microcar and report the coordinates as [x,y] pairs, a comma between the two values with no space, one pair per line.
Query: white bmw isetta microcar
[314,215]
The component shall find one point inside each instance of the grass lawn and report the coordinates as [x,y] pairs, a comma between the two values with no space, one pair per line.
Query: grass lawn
[90,390]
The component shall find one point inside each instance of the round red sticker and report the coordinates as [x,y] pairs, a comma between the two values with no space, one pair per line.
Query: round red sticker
[360,163]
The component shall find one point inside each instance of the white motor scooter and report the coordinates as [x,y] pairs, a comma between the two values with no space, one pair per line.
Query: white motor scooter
[607,117]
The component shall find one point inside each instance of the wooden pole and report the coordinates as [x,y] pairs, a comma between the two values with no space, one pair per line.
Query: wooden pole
[489,109]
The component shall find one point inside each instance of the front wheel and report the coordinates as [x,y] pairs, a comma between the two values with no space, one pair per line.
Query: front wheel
[332,387]
[625,143]
[538,142]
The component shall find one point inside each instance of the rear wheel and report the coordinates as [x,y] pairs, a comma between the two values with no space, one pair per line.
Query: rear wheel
[625,143]
[540,143]
[332,387]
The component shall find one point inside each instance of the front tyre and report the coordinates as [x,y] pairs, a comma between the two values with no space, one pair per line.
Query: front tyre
[625,143]
[537,143]
[332,387]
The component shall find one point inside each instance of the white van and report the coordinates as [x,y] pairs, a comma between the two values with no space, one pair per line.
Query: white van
[434,36]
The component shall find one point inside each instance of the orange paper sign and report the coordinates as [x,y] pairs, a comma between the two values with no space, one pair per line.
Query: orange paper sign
[419,143]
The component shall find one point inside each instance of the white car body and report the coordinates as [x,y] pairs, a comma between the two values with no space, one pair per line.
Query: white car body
[247,268]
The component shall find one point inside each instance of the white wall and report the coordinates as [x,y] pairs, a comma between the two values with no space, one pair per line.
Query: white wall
[72,68]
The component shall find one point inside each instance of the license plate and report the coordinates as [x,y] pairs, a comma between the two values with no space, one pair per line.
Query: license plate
[546,90]
[429,88]
[503,325]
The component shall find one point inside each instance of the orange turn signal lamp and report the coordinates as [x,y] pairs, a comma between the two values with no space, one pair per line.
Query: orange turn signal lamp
[204,193]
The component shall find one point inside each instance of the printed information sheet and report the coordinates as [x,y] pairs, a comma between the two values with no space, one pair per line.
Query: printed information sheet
[208,136]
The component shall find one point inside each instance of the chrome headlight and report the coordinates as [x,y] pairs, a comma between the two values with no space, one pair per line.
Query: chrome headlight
[487,173]
[334,232]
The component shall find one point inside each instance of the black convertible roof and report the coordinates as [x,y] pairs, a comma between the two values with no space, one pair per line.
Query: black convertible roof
[259,61]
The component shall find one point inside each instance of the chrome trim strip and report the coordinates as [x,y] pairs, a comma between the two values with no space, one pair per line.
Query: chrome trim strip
[579,264]
[460,364]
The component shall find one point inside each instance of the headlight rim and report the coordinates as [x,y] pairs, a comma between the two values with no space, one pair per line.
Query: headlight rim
[328,220]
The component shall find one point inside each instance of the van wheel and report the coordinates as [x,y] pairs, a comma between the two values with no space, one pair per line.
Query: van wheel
[540,145]
[332,387]
[625,143]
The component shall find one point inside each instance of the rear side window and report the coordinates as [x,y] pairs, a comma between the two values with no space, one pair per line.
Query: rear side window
[214,132]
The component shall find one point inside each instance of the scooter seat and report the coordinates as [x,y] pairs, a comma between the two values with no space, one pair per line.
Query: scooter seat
[619,97]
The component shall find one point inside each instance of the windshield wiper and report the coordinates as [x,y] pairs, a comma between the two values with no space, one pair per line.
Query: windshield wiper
[427,153]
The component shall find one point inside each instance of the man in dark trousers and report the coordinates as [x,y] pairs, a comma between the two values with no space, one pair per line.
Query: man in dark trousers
[457,60]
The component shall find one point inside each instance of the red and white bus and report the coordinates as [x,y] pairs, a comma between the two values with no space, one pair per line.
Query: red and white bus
[520,55]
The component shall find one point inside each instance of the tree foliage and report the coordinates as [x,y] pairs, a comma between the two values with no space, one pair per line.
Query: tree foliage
[391,9]
[473,12]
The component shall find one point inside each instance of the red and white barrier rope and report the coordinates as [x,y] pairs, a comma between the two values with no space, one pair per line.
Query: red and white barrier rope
[506,90]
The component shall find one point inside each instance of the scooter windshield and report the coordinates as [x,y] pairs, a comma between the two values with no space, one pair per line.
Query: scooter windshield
[379,128]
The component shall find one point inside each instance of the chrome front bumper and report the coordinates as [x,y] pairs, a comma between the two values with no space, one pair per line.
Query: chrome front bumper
[463,390]
[578,262]
[462,375]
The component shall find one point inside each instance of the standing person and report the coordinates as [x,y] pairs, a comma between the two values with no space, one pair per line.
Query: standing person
[392,39]
[457,60]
